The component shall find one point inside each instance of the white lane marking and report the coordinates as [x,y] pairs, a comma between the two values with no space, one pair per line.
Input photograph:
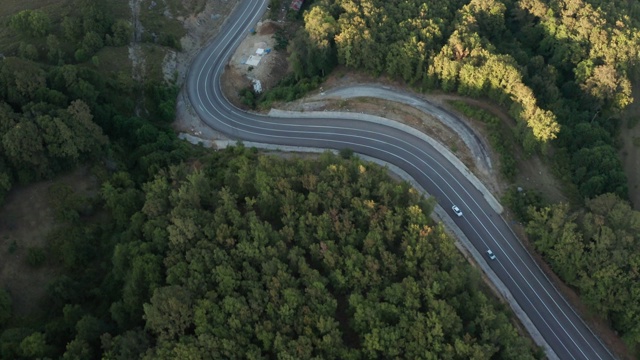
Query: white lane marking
[242,116]
[529,300]
[225,104]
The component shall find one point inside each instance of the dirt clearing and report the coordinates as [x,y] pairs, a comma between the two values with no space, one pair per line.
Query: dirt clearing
[237,75]
[272,65]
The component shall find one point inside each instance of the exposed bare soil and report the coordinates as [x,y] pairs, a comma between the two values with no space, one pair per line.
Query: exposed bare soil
[399,112]
[201,28]
[269,71]
[272,66]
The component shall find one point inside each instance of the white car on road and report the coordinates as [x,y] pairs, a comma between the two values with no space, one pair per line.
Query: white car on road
[491,255]
[456,210]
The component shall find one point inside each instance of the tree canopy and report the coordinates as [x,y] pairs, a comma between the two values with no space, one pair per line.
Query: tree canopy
[555,65]
[238,255]
[598,252]
[262,257]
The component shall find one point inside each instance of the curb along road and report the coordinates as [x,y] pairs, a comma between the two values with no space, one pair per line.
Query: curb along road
[562,329]
[476,145]
[497,207]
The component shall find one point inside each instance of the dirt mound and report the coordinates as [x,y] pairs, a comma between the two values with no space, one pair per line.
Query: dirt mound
[268,28]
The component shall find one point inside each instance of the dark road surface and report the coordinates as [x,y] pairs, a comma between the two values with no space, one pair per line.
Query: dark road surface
[560,326]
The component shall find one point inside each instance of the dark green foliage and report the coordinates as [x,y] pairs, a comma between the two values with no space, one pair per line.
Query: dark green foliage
[44,138]
[522,202]
[84,31]
[78,349]
[163,97]
[498,136]
[346,153]
[169,313]
[238,254]
[263,255]
[282,41]
[596,252]
[248,97]
[72,28]
[258,244]
[312,51]
[34,346]
[6,310]
[54,117]
[91,43]
[34,23]
[170,40]
[67,205]
[288,89]
[122,33]
[49,115]
[10,340]
[555,68]
[36,256]
[598,171]
[27,51]
[129,345]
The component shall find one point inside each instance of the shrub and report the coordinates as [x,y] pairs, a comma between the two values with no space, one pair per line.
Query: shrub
[346,153]
[5,306]
[497,139]
[520,201]
[36,257]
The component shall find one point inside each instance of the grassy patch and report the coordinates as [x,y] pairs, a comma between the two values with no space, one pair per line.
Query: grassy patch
[636,141]
[10,7]
[186,7]
[288,89]
[160,24]
[113,60]
[500,140]
[154,57]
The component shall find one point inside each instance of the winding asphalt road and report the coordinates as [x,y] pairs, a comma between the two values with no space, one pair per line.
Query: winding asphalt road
[560,326]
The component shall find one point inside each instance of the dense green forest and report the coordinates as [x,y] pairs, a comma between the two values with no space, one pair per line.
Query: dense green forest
[233,254]
[597,251]
[237,255]
[224,255]
[58,109]
[561,68]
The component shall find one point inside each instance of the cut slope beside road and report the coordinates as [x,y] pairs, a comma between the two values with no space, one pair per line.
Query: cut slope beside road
[563,330]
